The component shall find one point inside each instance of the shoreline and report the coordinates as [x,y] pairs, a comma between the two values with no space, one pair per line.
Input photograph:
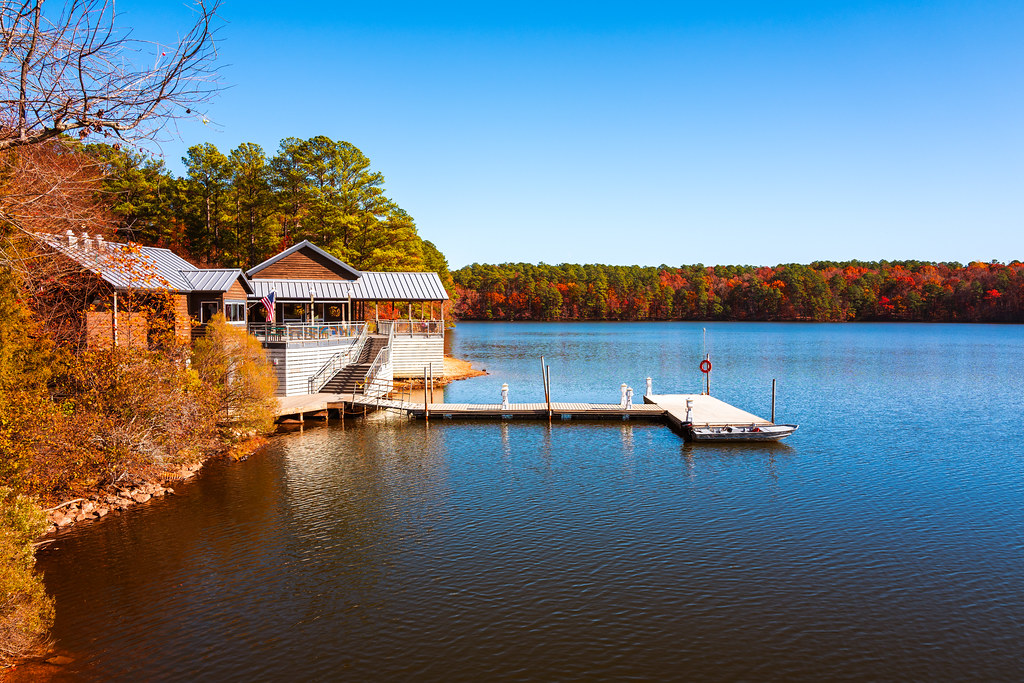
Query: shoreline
[455,369]
[96,502]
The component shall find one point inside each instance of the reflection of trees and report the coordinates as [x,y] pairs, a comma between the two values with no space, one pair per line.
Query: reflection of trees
[353,497]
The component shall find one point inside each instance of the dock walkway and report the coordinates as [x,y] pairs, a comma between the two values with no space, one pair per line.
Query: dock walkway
[707,410]
[670,408]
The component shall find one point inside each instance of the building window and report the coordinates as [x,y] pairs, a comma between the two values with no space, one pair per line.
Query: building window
[207,310]
[234,311]
[295,313]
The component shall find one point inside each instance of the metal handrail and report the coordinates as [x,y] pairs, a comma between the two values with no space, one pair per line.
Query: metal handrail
[336,362]
[413,328]
[383,358]
[286,332]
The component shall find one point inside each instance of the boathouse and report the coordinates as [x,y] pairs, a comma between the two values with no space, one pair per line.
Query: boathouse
[337,329]
[329,328]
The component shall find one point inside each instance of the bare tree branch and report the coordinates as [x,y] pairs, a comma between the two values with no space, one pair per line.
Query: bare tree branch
[79,73]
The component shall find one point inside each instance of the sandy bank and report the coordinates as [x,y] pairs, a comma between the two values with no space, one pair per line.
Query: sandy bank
[454,369]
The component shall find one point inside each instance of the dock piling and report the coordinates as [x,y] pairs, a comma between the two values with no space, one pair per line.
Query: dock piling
[773,401]
[547,376]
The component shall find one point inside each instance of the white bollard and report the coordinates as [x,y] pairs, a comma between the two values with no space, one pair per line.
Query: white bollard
[629,398]
[689,410]
[622,399]
[650,391]
[504,395]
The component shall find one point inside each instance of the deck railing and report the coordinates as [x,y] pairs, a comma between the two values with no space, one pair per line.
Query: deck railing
[296,332]
[373,385]
[337,362]
[411,328]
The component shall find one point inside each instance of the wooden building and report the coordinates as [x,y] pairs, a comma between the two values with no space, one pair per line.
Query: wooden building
[325,308]
[128,292]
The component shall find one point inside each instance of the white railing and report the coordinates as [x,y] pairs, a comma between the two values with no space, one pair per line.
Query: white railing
[411,328]
[337,362]
[296,332]
[373,385]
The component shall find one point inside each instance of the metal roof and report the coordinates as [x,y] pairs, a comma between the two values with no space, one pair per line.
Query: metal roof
[214,279]
[370,286]
[399,287]
[304,244]
[298,290]
[132,266]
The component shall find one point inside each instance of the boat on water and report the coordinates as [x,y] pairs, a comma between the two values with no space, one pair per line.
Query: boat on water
[753,432]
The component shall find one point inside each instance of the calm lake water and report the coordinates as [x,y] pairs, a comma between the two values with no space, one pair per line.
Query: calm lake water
[884,540]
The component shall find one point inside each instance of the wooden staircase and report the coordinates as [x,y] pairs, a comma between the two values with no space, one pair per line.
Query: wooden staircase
[349,380]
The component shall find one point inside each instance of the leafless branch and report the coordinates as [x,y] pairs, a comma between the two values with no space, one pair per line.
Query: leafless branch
[79,73]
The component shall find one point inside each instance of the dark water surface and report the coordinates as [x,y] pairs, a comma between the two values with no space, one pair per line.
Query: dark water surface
[884,540]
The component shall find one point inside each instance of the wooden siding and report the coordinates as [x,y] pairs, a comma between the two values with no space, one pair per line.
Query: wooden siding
[296,365]
[236,292]
[131,330]
[410,355]
[304,264]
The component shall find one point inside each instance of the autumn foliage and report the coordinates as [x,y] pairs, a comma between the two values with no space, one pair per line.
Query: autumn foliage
[823,291]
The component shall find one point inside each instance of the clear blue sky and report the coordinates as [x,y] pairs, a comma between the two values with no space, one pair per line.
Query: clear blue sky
[648,133]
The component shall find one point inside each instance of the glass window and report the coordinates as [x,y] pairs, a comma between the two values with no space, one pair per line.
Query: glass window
[234,311]
[207,310]
[295,313]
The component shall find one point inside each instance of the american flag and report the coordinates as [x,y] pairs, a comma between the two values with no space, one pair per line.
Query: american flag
[268,303]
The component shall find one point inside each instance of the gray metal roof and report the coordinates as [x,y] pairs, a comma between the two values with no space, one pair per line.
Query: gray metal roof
[371,286]
[132,266]
[298,290]
[214,279]
[304,244]
[399,287]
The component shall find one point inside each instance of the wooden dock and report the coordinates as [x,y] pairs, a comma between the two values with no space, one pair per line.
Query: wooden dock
[559,411]
[669,408]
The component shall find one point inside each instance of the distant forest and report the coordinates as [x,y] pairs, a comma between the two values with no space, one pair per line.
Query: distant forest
[823,291]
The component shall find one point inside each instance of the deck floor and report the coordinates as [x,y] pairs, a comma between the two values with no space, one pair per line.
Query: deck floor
[706,409]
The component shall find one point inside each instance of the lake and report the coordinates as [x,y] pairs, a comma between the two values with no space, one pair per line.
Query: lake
[883,540]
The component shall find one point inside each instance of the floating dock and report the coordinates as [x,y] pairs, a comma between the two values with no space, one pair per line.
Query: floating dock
[707,411]
[668,408]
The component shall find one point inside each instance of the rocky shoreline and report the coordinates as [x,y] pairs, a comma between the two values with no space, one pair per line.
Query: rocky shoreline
[99,502]
[115,498]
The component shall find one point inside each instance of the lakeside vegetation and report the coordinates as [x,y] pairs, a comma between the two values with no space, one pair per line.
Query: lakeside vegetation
[824,291]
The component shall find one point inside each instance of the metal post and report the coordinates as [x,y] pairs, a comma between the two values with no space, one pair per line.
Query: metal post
[543,378]
[547,375]
[773,401]
[426,405]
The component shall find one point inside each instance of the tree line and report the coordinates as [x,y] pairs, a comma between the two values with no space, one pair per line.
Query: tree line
[238,209]
[823,291]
